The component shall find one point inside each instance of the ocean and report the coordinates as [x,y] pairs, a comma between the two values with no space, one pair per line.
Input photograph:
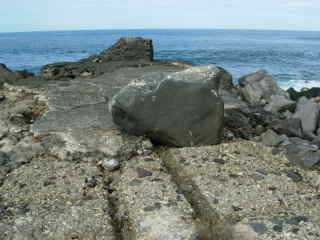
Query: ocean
[292,57]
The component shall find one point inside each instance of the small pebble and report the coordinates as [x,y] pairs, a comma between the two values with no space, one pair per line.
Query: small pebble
[2,98]
[259,228]
[143,173]
[91,182]
[110,164]
[219,161]
[295,176]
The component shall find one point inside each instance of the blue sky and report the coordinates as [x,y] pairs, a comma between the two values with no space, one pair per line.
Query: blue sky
[34,15]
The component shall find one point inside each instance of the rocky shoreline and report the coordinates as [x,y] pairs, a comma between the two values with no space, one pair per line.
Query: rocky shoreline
[122,146]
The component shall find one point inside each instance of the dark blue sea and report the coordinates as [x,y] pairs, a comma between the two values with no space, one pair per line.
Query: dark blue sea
[292,57]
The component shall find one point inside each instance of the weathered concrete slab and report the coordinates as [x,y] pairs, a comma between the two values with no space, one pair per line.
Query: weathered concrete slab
[49,199]
[83,103]
[73,94]
[150,206]
[244,182]
[94,116]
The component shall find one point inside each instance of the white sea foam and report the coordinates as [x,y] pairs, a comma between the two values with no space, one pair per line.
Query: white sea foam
[299,84]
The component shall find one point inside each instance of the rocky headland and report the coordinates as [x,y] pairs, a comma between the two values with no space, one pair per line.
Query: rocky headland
[122,146]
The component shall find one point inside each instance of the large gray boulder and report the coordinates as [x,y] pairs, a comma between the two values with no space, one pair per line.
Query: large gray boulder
[308,112]
[259,87]
[179,109]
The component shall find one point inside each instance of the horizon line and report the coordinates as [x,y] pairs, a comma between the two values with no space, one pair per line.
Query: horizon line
[150,29]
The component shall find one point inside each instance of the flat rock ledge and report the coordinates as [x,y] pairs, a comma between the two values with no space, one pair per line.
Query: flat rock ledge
[243,182]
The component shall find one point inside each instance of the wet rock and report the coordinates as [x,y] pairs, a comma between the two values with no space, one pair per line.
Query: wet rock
[270,138]
[257,88]
[308,112]
[180,109]
[291,127]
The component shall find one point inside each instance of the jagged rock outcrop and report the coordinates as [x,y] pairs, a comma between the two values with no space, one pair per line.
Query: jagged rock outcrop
[128,49]
[180,109]
[127,52]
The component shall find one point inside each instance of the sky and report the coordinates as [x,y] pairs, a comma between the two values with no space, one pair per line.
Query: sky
[47,15]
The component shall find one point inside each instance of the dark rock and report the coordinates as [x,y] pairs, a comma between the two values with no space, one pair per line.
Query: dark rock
[219,161]
[278,228]
[295,176]
[310,93]
[223,81]
[6,74]
[235,118]
[257,88]
[91,182]
[127,52]
[2,98]
[129,49]
[290,127]
[142,173]
[180,109]
[248,122]
[308,112]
